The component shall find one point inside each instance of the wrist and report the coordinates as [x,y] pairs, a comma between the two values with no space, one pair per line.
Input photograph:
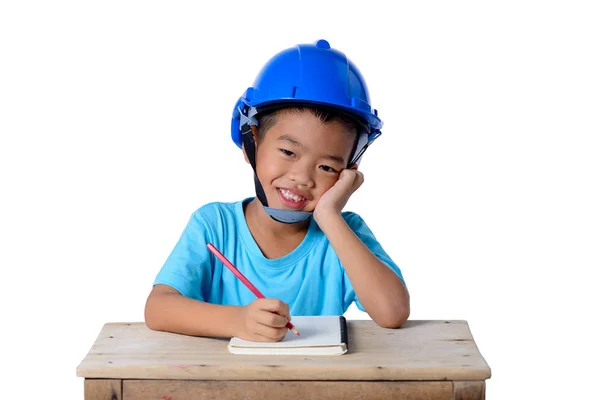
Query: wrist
[326,219]
[237,321]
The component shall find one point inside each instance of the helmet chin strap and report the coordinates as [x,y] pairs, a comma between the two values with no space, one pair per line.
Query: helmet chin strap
[279,215]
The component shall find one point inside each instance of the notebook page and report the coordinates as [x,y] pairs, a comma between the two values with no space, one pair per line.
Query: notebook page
[314,331]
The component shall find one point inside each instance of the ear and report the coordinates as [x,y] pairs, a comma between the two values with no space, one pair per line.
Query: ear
[354,167]
[255,136]
[245,155]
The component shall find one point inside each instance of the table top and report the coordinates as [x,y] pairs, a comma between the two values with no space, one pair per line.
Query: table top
[420,350]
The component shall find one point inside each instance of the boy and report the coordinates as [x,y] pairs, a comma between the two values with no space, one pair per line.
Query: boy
[303,127]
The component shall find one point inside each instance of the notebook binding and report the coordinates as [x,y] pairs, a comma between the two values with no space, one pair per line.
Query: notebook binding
[344,331]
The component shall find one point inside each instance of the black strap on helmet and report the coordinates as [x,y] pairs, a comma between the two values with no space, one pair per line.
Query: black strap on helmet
[250,149]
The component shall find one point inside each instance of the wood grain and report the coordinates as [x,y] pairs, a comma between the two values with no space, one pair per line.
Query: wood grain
[219,390]
[102,389]
[420,350]
[469,390]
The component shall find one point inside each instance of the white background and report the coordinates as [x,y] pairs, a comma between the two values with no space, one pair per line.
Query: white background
[115,127]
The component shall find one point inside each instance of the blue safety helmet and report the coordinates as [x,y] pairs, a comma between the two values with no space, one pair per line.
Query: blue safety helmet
[305,75]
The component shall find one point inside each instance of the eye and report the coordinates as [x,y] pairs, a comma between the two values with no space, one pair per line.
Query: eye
[287,152]
[327,168]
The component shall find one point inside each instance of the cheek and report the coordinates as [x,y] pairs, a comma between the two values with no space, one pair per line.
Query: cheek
[269,167]
[325,183]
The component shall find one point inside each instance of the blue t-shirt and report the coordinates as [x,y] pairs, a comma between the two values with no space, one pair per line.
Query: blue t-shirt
[310,279]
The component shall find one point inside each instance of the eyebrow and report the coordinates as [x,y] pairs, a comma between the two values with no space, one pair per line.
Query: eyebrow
[296,143]
[291,140]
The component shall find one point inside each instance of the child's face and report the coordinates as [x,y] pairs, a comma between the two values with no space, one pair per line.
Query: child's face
[300,158]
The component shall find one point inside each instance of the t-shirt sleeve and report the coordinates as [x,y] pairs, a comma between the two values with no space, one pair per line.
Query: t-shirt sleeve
[360,228]
[188,268]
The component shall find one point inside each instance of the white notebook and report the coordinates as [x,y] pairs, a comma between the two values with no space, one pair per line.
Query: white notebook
[319,335]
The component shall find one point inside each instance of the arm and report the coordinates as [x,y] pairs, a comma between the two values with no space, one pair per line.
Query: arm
[177,300]
[168,310]
[381,292]
[173,305]
[263,320]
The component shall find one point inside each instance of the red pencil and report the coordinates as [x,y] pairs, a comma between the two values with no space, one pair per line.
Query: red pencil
[241,277]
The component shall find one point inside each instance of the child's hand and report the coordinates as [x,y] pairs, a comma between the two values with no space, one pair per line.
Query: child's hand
[264,320]
[333,201]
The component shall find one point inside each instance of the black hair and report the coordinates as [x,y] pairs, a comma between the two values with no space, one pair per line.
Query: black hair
[268,118]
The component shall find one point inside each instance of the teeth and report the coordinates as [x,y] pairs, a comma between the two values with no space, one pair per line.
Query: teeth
[291,196]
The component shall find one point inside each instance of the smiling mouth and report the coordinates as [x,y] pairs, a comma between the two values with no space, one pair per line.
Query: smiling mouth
[291,200]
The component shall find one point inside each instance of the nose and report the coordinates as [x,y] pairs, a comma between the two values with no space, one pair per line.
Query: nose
[302,175]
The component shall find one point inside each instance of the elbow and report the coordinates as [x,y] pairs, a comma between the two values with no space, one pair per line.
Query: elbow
[159,308]
[395,319]
[151,324]
[150,318]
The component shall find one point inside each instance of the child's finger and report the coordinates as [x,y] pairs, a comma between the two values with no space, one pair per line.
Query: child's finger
[271,319]
[360,178]
[265,334]
[348,175]
[269,334]
[353,178]
[275,306]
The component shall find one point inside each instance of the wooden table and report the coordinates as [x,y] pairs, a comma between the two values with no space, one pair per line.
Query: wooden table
[422,360]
